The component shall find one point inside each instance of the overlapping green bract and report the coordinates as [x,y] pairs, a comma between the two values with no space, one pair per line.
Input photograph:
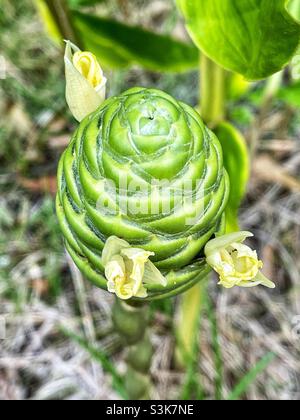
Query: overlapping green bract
[144,137]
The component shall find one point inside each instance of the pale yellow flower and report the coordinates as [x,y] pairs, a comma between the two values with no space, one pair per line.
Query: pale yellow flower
[236,263]
[86,63]
[128,270]
[85,82]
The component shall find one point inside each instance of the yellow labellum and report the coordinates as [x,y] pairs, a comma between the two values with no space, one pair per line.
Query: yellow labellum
[128,270]
[236,263]
[86,63]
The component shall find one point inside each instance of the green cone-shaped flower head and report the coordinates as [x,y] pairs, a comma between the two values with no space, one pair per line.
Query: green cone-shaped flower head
[143,168]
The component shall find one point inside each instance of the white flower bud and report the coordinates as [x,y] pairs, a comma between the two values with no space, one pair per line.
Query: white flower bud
[85,82]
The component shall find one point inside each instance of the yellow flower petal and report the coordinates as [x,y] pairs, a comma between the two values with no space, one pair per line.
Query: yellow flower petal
[152,275]
[128,270]
[137,254]
[86,63]
[264,281]
[118,281]
[115,270]
[236,263]
[142,292]
[124,289]
[225,241]
[138,258]
[113,246]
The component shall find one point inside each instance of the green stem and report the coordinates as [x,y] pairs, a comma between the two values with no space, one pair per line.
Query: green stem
[212,91]
[62,17]
[188,322]
[131,323]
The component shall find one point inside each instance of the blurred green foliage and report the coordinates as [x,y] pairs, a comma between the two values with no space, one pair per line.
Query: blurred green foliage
[290,94]
[77,3]
[119,45]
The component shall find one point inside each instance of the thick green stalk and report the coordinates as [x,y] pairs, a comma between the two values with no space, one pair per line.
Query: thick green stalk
[61,14]
[131,323]
[212,91]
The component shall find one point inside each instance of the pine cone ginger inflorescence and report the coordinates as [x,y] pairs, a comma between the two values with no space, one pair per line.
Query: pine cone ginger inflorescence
[142,169]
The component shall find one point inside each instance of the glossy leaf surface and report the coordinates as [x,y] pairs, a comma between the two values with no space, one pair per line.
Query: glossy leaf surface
[255,38]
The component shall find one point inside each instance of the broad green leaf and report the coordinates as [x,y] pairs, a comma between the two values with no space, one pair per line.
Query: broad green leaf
[242,387]
[119,45]
[236,162]
[294,8]
[290,94]
[255,38]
